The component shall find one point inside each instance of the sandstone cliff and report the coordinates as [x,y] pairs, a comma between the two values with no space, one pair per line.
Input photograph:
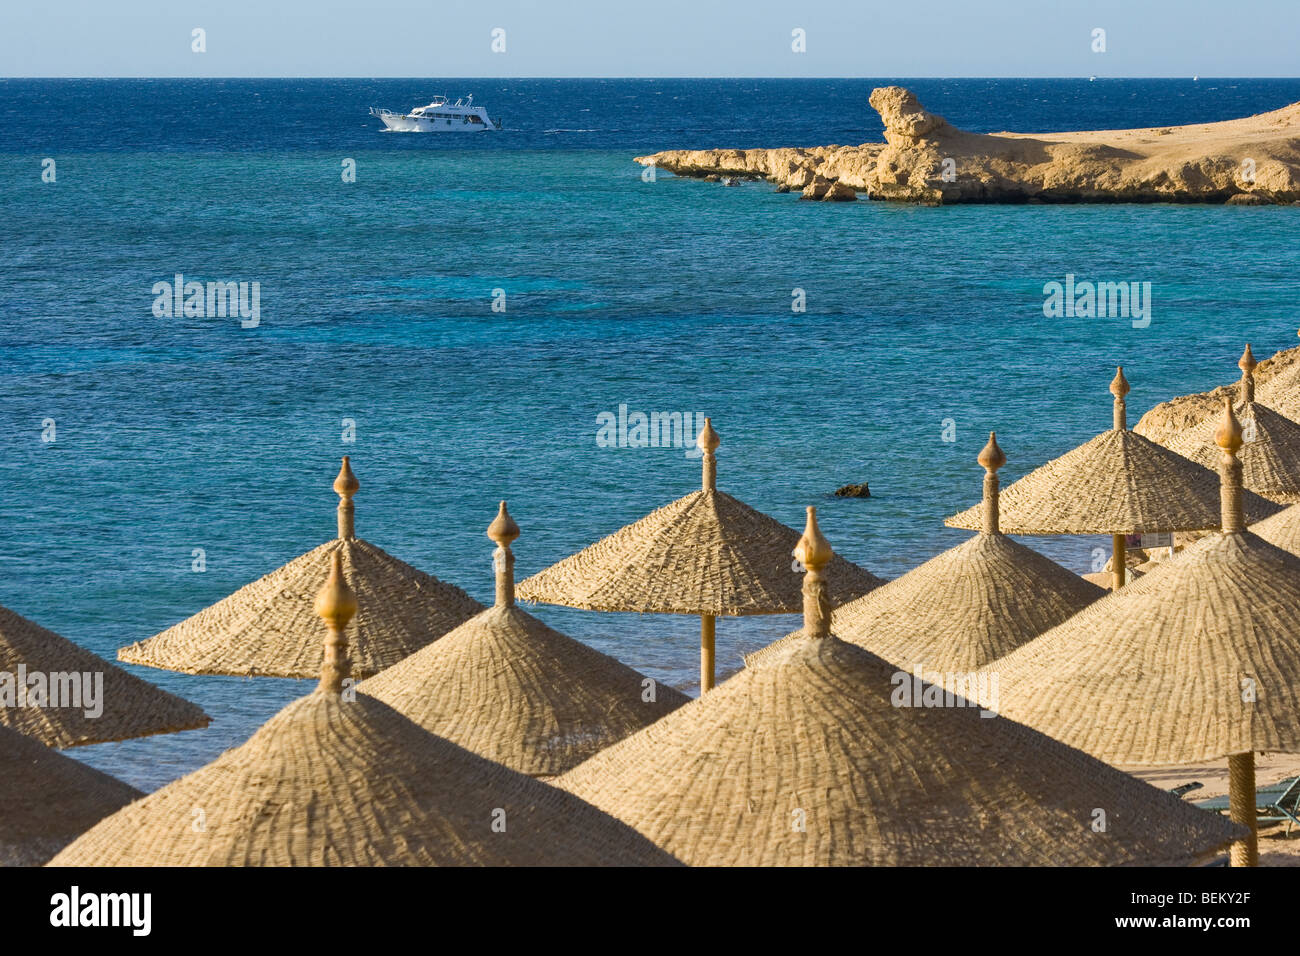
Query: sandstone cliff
[925,159]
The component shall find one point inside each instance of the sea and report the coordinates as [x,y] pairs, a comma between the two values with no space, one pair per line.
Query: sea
[458,313]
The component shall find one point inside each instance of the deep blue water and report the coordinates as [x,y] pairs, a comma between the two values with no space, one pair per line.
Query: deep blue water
[241,115]
[183,433]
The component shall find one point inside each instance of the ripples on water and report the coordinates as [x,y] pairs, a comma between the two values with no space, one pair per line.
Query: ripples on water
[176,434]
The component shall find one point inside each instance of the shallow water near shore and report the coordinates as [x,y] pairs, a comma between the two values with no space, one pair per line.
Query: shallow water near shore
[174,434]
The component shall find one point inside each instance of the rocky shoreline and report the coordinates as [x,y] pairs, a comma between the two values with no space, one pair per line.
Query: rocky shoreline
[925,159]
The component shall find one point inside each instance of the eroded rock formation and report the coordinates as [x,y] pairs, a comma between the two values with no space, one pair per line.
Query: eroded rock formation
[925,159]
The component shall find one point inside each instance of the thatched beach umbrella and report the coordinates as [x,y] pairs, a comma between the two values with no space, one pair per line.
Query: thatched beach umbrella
[338,778]
[47,800]
[1198,660]
[1270,457]
[268,629]
[1282,391]
[815,758]
[707,554]
[966,607]
[1119,483]
[1281,529]
[64,696]
[508,687]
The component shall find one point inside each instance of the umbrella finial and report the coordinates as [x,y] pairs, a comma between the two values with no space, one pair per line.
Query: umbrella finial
[345,486]
[337,604]
[813,552]
[1247,365]
[1229,438]
[503,530]
[1119,388]
[708,443]
[992,459]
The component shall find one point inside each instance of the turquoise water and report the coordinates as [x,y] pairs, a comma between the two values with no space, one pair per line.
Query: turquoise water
[376,305]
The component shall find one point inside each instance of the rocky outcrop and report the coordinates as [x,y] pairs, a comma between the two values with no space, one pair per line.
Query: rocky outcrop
[853,491]
[1167,419]
[925,159]
[906,123]
[830,190]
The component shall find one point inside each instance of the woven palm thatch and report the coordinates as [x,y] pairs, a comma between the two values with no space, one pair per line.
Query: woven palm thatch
[1282,393]
[1282,529]
[1198,660]
[1154,673]
[1270,457]
[807,760]
[47,800]
[706,553]
[334,781]
[1117,483]
[968,606]
[508,687]
[127,706]
[268,629]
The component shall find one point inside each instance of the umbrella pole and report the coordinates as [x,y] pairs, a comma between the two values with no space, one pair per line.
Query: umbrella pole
[708,442]
[1119,388]
[1118,557]
[1241,808]
[707,631]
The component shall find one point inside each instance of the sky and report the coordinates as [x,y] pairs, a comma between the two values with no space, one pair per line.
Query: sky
[649,38]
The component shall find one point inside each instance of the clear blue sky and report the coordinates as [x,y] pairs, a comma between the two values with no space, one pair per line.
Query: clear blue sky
[870,38]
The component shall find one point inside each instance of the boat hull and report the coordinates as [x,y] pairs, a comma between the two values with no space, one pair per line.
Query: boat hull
[405,123]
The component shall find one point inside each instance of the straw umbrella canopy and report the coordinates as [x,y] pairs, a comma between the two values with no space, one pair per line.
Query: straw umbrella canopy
[966,607]
[1281,529]
[64,696]
[1197,661]
[814,759]
[707,554]
[1118,483]
[339,778]
[508,687]
[1282,392]
[267,628]
[47,800]
[1270,457]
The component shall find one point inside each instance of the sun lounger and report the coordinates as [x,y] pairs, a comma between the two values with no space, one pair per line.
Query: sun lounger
[1273,804]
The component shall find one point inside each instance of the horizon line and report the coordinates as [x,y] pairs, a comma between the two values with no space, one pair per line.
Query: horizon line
[1090,77]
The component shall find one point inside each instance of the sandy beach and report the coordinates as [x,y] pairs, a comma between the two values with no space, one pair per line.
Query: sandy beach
[1276,846]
